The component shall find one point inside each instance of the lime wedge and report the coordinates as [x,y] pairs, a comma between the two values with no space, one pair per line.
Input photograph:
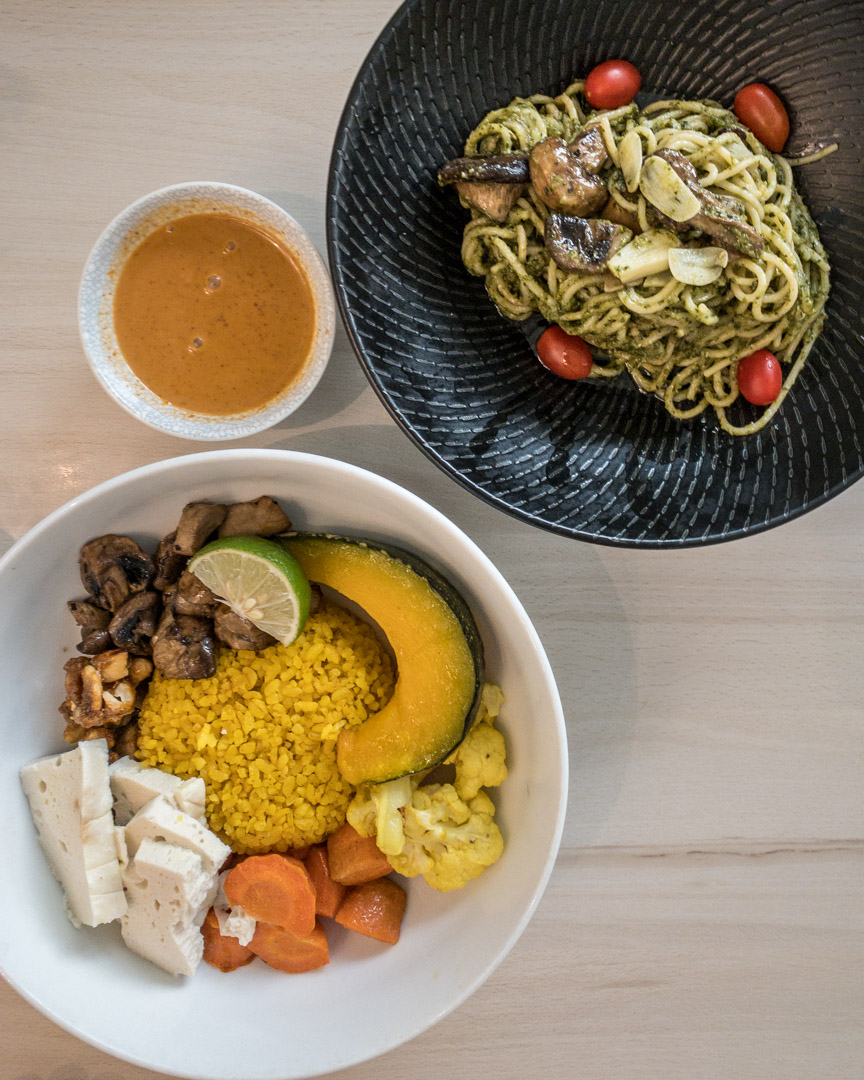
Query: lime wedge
[259,580]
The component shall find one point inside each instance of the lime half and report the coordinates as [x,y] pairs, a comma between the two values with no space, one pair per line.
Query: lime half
[259,580]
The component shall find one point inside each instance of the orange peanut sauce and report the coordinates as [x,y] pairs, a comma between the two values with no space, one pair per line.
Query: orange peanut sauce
[214,315]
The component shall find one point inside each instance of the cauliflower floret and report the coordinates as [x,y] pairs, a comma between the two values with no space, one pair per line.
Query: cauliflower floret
[479,760]
[449,841]
[376,810]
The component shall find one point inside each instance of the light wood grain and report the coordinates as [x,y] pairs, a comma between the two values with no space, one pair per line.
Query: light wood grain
[704,921]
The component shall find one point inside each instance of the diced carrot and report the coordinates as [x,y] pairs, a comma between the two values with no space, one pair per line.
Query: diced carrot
[290,952]
[225,953]
[374,909]
[355,859]
[273,889]
[329,894]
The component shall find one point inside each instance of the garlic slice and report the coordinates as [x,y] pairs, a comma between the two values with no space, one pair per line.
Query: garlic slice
[630,159]
[646,254]
[697,266]
[665,190]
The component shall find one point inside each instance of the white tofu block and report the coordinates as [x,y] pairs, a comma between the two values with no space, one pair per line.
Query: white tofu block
[160,819]
[134,786]
[70,800]
[233,921]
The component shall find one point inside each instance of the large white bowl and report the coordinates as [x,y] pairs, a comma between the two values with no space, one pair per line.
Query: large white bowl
[371,997]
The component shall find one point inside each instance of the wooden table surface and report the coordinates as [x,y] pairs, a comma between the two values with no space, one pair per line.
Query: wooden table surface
[705,918]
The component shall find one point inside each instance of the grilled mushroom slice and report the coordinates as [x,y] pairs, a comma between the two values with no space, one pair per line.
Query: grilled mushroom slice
[258,517]
[169,565]
[197,521]
[719,216]
[239,633]
[113,568]
[192,597]
[183,647]
[583,245]
[562,182]
[590,150]
[135,623]
[495,169]
[494,200]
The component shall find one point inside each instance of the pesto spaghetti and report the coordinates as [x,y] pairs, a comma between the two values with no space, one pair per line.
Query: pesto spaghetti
[761,275]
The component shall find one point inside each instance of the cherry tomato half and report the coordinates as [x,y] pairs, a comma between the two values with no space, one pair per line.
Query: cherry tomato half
[764,113]
[612,84]
[564,354]
[760,378]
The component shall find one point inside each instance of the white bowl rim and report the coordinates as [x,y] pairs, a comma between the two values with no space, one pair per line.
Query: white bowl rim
[142,403]
[165,466]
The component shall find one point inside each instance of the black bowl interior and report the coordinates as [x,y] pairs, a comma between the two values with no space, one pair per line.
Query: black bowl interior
[598,462]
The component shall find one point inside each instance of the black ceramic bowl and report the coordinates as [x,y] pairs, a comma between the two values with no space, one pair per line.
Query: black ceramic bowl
[598,462]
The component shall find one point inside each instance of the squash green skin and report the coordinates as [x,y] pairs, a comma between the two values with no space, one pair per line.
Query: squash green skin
[440,670]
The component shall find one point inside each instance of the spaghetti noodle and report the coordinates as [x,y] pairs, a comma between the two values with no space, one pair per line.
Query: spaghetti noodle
[681,342]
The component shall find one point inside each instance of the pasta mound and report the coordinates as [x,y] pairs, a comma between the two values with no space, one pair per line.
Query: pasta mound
[680,342]
[262,731]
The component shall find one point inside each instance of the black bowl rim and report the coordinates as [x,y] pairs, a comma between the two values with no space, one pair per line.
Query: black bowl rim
[332,213]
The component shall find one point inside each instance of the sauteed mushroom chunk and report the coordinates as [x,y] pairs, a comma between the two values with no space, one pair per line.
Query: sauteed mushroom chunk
[494,200]
[258,517]
[238,633]
[495,169]
[197,522]
[719,216]
[192,597]
[589,149]
[88,616]
[113,568]
[94,641]
[135,622]
[183,647]
[583,245]
[561,180]
[169,565]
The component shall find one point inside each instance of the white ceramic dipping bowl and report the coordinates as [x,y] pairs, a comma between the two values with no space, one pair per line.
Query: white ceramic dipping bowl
[257,1023]
[96,307]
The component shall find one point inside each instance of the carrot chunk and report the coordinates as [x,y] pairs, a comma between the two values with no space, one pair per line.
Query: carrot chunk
[225,953]
[329,894]
[355,859]
[374,909]
[273,889]
[293,953]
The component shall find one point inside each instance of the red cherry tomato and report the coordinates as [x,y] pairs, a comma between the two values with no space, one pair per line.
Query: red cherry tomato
[759,377]
[564,354]
[764,113]
[612,84]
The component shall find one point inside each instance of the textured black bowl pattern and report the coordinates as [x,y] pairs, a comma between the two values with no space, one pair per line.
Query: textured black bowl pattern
[598,462]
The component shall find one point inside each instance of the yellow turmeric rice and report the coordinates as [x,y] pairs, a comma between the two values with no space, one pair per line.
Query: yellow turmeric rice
[262,731]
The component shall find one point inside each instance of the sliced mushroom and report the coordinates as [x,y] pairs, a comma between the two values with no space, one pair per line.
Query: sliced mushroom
[239,633]
[494,200]
[495,169]
[562,182]
[590,149]
[113,568]
[135,622]
[646,254]
[183,647]
[615,212]
[630,158]
[192,597]
[197,521]
[583,244]
[169,565]
[88,616]
[258,517]
[719,216]
[94,641]
[667,191]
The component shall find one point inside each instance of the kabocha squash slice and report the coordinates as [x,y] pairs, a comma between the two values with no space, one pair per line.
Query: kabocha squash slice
[439,654]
